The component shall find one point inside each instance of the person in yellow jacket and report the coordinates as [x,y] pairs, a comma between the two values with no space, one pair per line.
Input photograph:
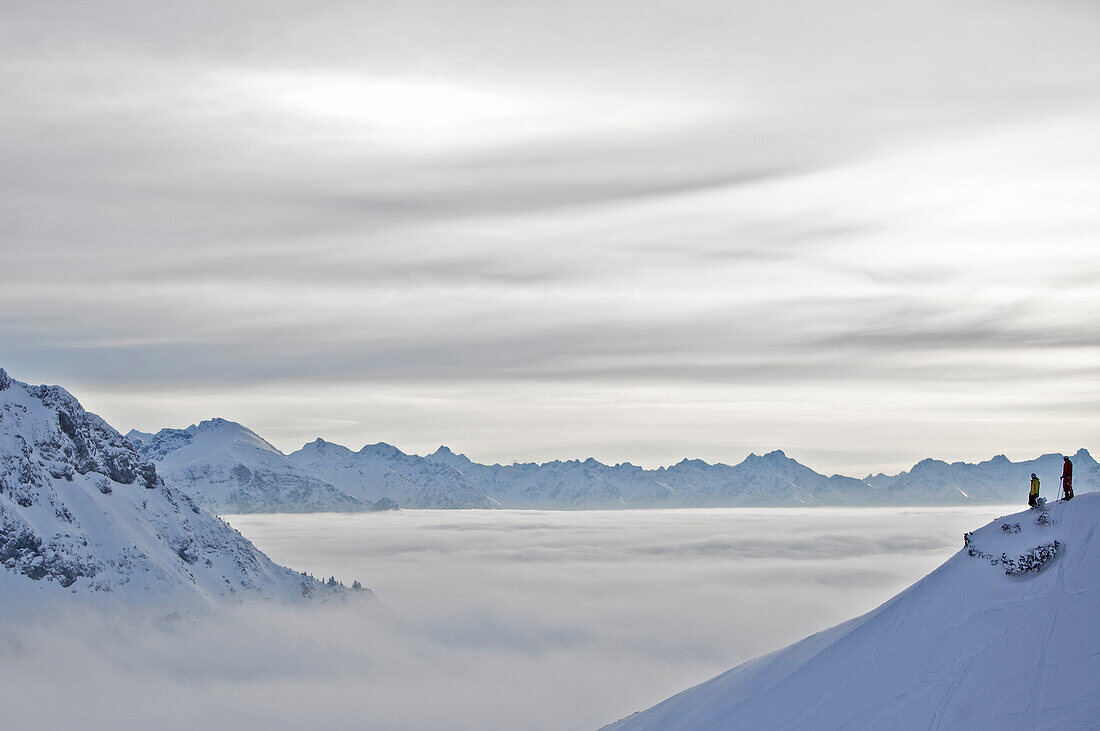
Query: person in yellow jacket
[1034,495]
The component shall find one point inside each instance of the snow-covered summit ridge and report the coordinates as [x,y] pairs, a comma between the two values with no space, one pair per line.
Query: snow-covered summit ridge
[994,480]
[214,433]
[382,471]
[81,511]
[772,478]
[228,468]
[1002,635]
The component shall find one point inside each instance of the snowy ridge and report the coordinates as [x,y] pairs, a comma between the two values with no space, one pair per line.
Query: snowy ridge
[997,480]
[81,512]
[446,479]
[379,471]
[228,468]
[773,479]
[1002,635]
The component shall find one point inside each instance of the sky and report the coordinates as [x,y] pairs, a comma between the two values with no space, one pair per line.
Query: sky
[865,233]
[482,619]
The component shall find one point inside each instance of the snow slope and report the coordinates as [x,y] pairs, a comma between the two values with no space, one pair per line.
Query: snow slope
[81,512]
[981,642]
[228,468]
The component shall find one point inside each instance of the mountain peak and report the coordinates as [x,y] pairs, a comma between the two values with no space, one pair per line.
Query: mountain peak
[444,455]
[89,513]
[323,446]
[218,422]
[382,449]
[138,437]
[776,456]
[224,432]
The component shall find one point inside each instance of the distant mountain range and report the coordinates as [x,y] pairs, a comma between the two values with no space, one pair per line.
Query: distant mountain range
[228,468]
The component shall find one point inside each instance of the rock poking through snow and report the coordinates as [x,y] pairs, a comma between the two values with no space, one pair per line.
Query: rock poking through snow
[82,512]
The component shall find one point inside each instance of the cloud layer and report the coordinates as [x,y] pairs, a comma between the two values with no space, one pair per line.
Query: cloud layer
[484,619]
[846,211]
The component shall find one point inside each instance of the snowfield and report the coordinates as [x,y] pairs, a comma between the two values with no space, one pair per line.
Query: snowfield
[1005,635]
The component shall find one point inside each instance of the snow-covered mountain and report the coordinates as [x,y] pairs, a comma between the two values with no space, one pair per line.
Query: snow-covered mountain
[771,479]
[997,480]
[446,479]
[1002,635]
[228,468]
[81,511]
[379,471]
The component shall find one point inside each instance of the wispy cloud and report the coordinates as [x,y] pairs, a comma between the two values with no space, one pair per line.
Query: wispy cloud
[709,195]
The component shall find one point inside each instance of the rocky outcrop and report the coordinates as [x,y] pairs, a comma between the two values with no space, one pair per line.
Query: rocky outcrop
[383,504]
[82,511]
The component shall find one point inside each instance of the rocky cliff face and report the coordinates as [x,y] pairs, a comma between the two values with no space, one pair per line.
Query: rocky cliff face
[82,512]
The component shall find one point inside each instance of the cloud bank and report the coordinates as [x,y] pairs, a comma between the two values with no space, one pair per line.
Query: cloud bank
[484,619]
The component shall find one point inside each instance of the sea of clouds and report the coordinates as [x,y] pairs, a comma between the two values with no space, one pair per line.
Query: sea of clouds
[483,619]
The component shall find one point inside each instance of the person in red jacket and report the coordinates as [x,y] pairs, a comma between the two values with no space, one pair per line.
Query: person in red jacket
[1067,479]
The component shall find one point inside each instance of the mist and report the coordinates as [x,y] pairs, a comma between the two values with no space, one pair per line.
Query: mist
[482,619]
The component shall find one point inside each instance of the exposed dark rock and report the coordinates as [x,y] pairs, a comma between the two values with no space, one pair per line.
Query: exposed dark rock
[384,504]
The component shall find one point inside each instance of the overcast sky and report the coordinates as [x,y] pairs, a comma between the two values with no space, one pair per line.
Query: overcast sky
[862,232]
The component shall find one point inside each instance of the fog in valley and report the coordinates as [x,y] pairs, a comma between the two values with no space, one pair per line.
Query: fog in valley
[483,619]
